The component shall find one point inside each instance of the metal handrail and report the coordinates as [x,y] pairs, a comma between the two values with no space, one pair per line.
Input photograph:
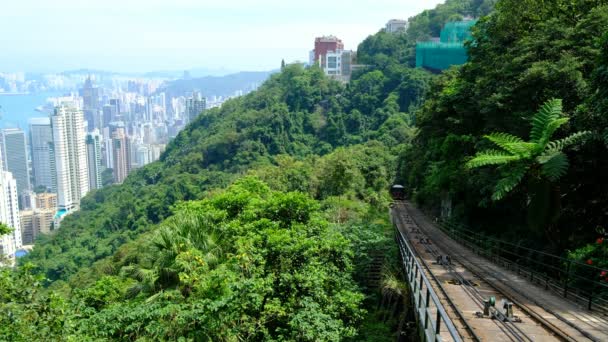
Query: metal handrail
[419,282]
[591,293]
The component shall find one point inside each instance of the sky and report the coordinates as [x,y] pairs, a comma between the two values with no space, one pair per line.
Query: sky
[153,35]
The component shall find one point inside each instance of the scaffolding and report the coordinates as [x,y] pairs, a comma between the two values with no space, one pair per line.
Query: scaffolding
[449,50]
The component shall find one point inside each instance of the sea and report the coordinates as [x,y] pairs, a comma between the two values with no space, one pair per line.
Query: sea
[17,109]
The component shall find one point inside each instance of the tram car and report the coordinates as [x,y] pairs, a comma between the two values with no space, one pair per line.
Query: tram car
[398,192]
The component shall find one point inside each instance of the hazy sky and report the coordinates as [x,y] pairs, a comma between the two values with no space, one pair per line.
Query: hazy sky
[146,35]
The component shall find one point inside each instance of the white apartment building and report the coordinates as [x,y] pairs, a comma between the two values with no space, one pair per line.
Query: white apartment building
[70,154]
[9,215]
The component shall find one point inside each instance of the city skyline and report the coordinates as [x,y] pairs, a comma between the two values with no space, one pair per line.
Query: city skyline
[185,34]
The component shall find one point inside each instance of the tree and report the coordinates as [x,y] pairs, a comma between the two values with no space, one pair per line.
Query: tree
[541,159]
[4,229]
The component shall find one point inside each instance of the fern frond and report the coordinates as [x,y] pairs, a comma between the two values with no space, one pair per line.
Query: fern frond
[573,139]
[550,129]
[511,143]
[508,183]
[554,164]
[491,157]
[550,110]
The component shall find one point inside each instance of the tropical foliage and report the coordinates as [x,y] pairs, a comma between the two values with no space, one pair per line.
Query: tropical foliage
[525,54]
[265,219]
[4,229]
[540,157]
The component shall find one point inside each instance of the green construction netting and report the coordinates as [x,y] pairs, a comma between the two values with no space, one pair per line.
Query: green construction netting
[440,56]
[449,50]
[456,31]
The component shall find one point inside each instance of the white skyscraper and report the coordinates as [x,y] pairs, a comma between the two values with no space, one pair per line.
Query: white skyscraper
[69,147]
[9,215]
[94,159]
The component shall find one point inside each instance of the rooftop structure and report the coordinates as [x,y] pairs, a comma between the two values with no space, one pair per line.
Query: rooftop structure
[396,25]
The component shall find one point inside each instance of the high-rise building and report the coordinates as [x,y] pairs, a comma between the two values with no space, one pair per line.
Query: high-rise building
[195,105]
[14,157]
[143,155]
[108,115]
[9,215]
[90,103]
[115,103]
[41,142]
[94,156]
[70,156]
[121,154]
[107,157]
[46,201]
[43,220]
[28,235]
[34,223]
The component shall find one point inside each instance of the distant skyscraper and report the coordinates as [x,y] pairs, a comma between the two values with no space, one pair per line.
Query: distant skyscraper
[46,201]
[9,215]
[121,154]
[143,155]
[108,160]
[14,153]
[90,101]
[28,234]
[94,159]
[108,115]
[70,156]
[34,223]
[195,105]
[41,142]
[115,103]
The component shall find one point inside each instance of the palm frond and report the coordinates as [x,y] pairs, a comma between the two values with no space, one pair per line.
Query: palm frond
[134,290]
[511,143]
[508,183]
[491,157]
[575,138]
[550,129]
[550,110]
[554,164]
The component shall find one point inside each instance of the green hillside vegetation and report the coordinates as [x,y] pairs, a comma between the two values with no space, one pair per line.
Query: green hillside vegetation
[526,53]
[298,134]
[266,219]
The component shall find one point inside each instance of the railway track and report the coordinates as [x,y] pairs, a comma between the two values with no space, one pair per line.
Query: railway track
[459,315]
[492,275]
[508,328]
[489,276]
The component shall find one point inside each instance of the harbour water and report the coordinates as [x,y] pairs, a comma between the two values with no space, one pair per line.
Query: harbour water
[17,109]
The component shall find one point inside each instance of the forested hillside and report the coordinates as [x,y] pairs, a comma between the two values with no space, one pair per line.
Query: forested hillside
[525,53]
[265,219]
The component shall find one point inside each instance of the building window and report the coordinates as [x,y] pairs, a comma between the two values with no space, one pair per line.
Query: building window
[331,62]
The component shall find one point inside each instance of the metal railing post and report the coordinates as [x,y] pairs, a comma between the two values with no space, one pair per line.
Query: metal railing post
[567,279]
[438,323]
